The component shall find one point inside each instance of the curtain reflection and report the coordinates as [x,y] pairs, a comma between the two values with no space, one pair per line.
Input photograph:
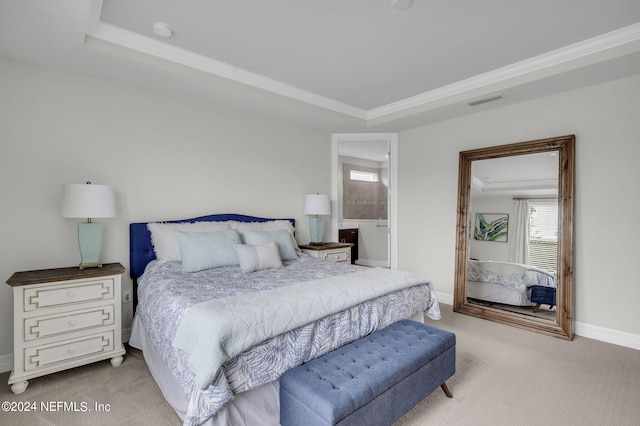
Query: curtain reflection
[519,249]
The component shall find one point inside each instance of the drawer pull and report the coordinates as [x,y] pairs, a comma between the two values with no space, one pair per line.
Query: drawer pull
[71,350]
[72,322]
[70,294]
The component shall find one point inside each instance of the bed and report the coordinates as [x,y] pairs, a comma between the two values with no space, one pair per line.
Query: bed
[217,331]
[509,283]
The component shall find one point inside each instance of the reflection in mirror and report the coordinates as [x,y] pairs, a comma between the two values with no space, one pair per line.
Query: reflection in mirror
[514,249]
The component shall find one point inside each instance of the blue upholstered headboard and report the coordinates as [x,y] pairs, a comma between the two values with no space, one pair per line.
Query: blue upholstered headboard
[140,247]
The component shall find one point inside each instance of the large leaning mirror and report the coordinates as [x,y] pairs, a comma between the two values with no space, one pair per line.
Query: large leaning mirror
[514,235]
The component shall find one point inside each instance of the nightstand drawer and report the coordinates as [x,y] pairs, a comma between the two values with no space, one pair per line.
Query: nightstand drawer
[61,295]
[37,328]
[336,255]
[46,355]
[335,252]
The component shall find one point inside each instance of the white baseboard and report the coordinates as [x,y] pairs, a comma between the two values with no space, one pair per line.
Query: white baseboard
[446,299]
[616,337]
[373,263]
[602,334]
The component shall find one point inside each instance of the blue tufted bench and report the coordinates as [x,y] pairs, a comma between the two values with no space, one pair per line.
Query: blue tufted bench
[372,381]
[542,295]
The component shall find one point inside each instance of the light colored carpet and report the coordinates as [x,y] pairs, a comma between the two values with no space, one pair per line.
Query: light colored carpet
[505,376]
[508,376]
[132,395]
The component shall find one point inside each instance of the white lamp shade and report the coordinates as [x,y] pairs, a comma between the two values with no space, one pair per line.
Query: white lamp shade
[317,204]
[87,201]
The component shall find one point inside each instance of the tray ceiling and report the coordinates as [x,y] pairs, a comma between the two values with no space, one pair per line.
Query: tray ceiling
[335,64]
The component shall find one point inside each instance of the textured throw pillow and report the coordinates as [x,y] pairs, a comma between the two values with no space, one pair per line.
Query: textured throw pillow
[270,225]
[207,250]
[282,238]
[165,243]
[258,256]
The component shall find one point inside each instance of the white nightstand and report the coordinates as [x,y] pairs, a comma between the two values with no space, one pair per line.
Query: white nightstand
[64,318]
[336,252]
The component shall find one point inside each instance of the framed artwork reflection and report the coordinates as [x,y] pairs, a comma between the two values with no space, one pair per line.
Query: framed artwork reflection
[491,227]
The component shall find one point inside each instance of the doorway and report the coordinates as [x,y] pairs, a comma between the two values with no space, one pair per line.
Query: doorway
[364,194]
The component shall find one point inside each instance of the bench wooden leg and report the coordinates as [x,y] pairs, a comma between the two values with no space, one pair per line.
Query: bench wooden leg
[446,390]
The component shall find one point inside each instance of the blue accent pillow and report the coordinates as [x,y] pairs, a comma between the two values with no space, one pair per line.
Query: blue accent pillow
[281,237]
[207,250]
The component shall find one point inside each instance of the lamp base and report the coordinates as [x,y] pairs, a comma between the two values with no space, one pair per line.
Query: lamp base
[316,230]
[316,244]
[90,265]
[90,240]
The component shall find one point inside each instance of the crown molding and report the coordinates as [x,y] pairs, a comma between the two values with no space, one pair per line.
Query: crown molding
[592,50]
[545,61]
[485,187]
[159,49]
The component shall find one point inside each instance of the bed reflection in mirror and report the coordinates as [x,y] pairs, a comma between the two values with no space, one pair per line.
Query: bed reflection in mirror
[513,246]
[514,235]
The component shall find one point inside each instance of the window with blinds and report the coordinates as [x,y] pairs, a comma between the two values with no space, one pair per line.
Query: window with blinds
[363,176]
[543,234]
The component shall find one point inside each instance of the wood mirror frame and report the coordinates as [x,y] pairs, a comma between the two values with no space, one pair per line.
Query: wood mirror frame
[563,326]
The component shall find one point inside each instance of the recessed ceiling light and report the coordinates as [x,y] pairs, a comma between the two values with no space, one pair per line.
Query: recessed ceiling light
[162,30]
[401,4]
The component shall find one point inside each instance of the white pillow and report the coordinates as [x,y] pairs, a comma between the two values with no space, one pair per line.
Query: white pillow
[281,237]
[207,250]
[258,256]
[165,243]
[271,225]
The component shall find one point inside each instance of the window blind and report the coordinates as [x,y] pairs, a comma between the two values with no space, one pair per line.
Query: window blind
[543,234]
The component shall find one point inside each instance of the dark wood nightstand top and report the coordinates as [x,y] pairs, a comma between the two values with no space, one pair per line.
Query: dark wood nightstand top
[326,246]
[63,274]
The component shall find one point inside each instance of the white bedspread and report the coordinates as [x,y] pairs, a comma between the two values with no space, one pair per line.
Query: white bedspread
[166,294]
[515,275]
[242,321]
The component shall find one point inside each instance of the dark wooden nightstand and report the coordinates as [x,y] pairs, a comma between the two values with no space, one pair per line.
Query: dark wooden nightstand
[350,235]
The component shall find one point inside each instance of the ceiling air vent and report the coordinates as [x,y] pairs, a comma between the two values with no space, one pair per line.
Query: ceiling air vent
[484,100]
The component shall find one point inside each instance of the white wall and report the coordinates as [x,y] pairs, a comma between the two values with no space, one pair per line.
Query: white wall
[605,120]
[166,158]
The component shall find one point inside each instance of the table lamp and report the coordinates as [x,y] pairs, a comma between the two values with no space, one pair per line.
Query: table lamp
[90,201]
[316,205]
